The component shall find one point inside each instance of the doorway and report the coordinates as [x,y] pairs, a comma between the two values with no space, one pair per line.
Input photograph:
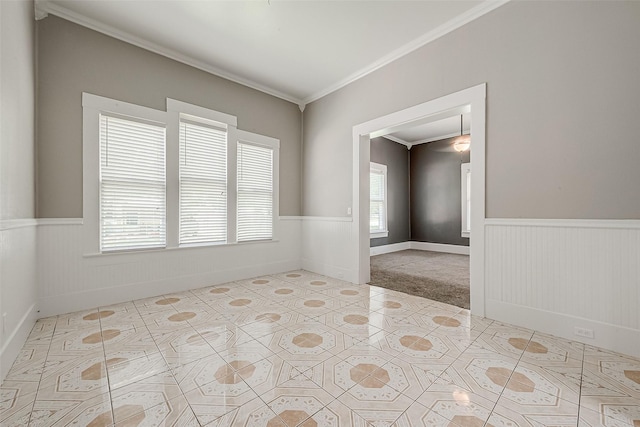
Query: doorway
[474,98]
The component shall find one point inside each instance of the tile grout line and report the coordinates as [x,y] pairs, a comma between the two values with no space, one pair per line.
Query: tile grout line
[44,364]
[580,389]
[106,370]
[509,379]
[169,370]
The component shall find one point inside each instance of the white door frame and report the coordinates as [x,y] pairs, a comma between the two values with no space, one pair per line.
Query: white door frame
[475,97]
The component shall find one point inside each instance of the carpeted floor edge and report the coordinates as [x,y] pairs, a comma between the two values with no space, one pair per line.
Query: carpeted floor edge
[421,286]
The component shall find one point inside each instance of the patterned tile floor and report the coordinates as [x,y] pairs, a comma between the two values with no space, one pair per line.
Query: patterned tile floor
[302,349]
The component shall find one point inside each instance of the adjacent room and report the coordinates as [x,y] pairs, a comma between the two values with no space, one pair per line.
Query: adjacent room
[332,213]
[420,210]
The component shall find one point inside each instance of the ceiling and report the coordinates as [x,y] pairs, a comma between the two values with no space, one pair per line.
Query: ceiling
[296,50]
[436,130]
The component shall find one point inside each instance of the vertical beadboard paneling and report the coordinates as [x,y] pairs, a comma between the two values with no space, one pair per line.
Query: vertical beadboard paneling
[70,281]
[60,260]
[581,268]
[18,292]
[328,247]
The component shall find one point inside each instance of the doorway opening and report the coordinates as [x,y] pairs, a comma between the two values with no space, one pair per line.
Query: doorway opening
[419,231]
[472,99]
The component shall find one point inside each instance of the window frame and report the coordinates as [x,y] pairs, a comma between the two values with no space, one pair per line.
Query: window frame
[244,137]
[380,168]
[465,192]
[175,111]
[93,106]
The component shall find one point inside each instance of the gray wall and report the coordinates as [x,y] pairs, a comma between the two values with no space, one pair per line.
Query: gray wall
[396,157]
[73,59]
[562,108]
[436,205]
[18,112]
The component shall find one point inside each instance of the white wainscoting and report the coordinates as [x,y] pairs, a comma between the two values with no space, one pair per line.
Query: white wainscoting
[69,281]
[556,275]
[327,247]
[18,290]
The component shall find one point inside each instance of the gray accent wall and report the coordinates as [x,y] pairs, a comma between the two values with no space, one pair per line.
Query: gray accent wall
[396,157]
[436,197]
[73,59]
[562,110]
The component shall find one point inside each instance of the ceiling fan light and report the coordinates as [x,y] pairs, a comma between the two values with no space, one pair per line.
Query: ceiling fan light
[462,143]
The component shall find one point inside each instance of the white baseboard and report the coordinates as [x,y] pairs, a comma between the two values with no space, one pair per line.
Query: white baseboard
[612,337]
[387,249]
[440,247]
[422,246]
[76,301]
[330,270]
[16,340]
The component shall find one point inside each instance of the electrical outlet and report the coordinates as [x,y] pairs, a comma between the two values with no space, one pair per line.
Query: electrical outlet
[583,332]
[349,211]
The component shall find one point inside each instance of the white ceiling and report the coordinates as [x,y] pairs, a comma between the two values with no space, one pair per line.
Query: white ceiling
[432,131]
[296,50]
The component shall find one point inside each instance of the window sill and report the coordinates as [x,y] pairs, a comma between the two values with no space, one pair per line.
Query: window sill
[174,249]
[379,234]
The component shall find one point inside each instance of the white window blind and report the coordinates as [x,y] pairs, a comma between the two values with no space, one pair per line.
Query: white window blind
[377,209]
[203,183]
[255,192]
[132,184]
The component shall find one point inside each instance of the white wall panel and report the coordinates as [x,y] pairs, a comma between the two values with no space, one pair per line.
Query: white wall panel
[18,287]
[327,247]
[69,281]
[583,273]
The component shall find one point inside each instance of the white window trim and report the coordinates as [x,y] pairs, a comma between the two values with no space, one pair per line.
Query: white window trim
[465,168]
[94,105]
[381,233]
[175,109]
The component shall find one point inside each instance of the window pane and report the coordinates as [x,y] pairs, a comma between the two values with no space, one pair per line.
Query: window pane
[376,181]
[377,190]
[255,192]
[203,184]
[132,185]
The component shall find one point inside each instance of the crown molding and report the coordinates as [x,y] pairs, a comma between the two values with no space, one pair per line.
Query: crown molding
[45,7]
[39,12]
[436,138]
[398,140]
[449,26]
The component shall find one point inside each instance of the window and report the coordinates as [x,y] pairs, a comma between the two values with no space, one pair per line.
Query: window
[255,187]
[132,184]
[465,179]
[154,179]
[203,182]
[378,200]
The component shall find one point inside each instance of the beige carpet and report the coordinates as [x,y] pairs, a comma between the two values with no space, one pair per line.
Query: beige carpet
[434,275]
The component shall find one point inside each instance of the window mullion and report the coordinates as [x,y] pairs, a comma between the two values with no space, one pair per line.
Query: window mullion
[173,185]
[232,184]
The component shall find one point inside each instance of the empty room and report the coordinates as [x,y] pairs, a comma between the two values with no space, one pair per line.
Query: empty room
[194,196]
